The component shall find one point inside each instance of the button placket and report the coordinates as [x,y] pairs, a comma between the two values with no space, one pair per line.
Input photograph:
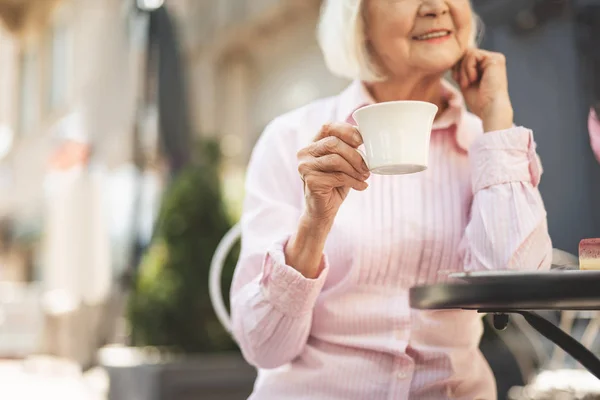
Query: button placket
[404,369]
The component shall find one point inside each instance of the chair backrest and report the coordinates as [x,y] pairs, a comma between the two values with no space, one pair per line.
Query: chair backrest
[216,269]
[570,321]
[569,318]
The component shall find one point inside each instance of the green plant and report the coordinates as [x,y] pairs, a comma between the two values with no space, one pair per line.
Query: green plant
[169,305]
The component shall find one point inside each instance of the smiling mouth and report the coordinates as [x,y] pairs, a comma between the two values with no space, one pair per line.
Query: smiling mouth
[432,35]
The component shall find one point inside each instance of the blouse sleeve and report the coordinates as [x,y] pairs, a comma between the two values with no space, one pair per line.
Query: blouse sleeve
[507,227]
[271,302]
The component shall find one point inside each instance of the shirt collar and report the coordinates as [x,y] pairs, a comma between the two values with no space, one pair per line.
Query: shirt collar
[356,96]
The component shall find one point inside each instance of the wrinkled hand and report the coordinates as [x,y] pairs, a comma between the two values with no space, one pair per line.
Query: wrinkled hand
[482,78]
[330,166]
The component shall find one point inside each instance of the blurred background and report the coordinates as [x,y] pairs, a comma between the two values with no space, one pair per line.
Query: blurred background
[125,130]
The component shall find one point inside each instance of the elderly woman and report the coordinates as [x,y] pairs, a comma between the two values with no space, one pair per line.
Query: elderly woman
[329,252]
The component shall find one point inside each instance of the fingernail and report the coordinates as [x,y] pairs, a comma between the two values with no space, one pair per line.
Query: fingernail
[365,168]
[357,137]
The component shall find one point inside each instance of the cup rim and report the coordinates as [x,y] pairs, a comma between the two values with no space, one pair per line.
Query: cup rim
[383,103]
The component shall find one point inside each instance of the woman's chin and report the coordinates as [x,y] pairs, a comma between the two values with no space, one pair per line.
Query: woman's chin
[439,62]
[435,70]
[439,67]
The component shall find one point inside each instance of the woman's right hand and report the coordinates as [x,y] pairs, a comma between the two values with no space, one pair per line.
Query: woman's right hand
[330,166]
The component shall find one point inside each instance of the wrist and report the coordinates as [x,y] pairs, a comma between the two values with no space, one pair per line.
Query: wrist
[492,125]
[499,116]
[317,227]
[304,251]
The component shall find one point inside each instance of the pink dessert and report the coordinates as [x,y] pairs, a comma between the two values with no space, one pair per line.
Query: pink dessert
[589,254]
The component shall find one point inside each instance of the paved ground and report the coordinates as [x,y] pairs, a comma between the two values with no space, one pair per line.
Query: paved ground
[47,378]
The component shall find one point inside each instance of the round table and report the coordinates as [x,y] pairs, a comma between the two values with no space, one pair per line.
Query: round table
[514,292]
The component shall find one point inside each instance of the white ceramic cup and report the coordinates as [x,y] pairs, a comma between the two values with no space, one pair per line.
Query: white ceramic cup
[396,136]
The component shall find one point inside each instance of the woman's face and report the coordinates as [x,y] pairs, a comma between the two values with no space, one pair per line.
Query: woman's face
[425,36]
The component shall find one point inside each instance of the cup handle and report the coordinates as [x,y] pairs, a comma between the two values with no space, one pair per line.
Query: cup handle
[364,157]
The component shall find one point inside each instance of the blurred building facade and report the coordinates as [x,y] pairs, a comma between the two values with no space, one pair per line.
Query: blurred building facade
[69,84]
[250,61]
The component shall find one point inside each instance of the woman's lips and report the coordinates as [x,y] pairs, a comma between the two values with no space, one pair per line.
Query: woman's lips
[433,36]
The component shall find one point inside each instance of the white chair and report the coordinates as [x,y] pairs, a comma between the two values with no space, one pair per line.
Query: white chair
[216,269]
[555,379]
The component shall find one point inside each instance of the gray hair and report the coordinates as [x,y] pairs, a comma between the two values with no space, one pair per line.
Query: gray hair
[341,36]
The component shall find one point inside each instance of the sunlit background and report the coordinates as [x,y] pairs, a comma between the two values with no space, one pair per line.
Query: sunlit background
[125,130]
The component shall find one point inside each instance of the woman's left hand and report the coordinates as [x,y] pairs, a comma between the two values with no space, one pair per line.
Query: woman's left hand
[482,78]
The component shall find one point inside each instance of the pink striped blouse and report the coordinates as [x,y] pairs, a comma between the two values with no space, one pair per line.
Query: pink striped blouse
[350,333]
[594,127]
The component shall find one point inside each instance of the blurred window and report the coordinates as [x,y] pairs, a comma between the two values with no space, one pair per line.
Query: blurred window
[8,51]
[59,56]
[29,83]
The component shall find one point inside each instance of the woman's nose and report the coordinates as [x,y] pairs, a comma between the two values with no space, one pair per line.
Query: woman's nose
[433,8]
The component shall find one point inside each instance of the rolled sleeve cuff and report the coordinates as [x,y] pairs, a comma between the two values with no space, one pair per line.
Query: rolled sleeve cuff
[287,289]
[503,157]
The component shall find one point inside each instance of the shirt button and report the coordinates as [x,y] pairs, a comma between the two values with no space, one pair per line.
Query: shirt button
[402,375]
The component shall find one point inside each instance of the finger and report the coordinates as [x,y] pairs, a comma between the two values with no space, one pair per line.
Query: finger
[334,145]
[318,181]
[489,58]
[469,62]
[330,163]
[464,78]
[471,68]
[336,163]
[346,132]
[494,59]
[456,71]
